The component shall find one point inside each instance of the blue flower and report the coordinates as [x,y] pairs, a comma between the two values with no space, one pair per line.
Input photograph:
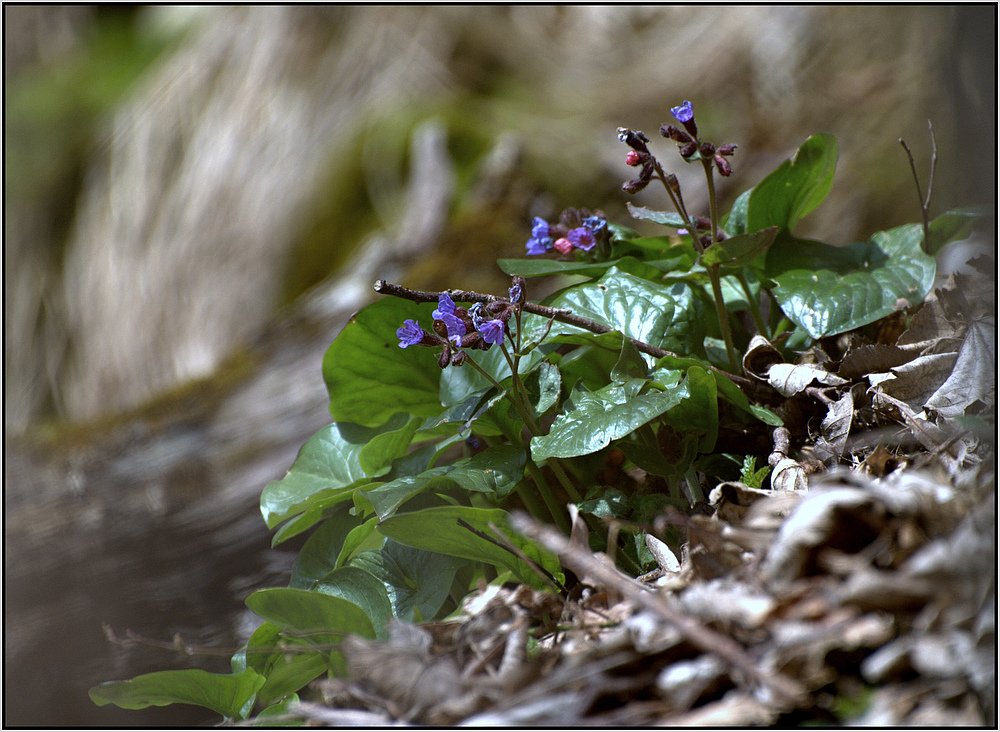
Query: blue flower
[492,330]
[582,238]
[514,293]
[541,237]
[596,224]
[411,334]
[446,313]
[684,113]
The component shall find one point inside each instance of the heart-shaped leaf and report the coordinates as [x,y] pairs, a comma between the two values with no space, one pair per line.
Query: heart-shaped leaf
[416,582]
[370,378]
[829,290]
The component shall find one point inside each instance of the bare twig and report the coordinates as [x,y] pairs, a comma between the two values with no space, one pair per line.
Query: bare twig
[585,563]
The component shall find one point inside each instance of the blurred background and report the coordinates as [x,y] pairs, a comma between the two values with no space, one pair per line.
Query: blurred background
[197,198]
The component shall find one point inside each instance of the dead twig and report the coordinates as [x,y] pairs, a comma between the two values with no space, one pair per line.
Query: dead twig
[584,563]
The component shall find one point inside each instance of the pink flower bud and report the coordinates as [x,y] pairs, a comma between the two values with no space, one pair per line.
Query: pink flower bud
[563,245]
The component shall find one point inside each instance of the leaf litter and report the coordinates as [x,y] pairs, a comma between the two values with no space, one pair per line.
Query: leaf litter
[860,589]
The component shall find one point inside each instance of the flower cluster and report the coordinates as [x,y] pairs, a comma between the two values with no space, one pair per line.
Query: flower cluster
[687,140]
[577,229]
[457,328]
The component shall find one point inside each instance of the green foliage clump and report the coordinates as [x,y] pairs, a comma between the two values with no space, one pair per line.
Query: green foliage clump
[630,370]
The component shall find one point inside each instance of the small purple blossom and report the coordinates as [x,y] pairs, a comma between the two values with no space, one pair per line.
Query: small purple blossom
[516,293]
[492,330]
[683,113]
[582,238]
[446,313]
[410,334]
[541,237]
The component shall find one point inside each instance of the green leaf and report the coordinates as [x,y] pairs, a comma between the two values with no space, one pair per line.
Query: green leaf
[740,250]
[796,187]
[416,582]
[325,469]
[319,554]
[734,395]
[698,412]
[392,442]
[438,529]
[230,695]
[829,290]
[951,226]
[669,317]
[664,218]
[735,223]
[546,386]
[494,471]
[312,616]
[370,378]
[363,589]
[611,504]
[591,420]
[263,718]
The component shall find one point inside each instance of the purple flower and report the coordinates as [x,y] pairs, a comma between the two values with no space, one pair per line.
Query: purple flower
[446,313]
[492,330]
[411,334]
[684,113]
[538,246]
[582,238]
[541,237]
[515,293]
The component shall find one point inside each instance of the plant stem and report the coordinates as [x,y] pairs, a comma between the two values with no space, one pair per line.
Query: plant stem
[557,512]
[713,270]
[758,317]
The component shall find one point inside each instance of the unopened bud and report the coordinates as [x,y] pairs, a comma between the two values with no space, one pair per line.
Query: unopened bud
[563,245]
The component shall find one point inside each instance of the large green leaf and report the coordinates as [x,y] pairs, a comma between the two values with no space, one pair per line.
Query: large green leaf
[231,695]
[439,529]
[326,466]
[591,420]
[313,616]
[370,378]
[494,471]
[669,317]
[829,290]
[415,581]
[796,187]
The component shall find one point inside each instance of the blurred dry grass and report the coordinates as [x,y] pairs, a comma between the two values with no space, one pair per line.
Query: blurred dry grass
[189,207]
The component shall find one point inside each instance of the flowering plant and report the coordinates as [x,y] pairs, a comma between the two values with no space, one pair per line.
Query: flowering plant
[617,394]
